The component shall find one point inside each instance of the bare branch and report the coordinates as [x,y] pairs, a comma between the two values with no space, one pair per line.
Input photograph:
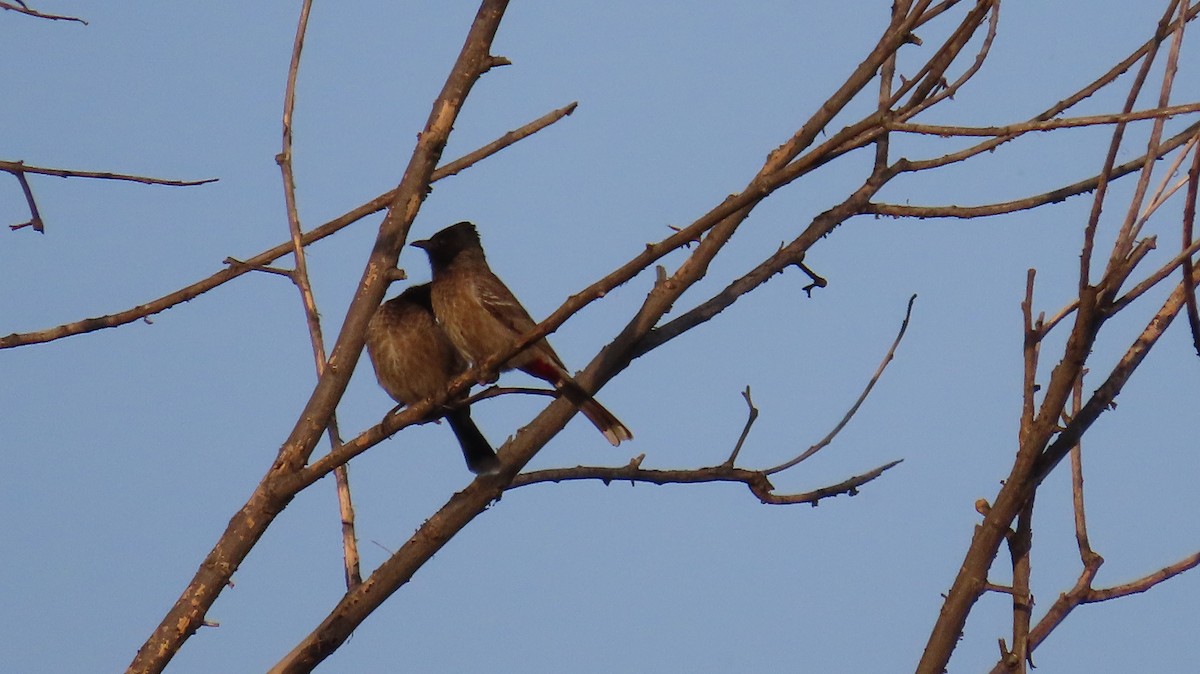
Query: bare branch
[22,8]
[1189,274]
[301,279]
[966,30]
[1026,203]
[1155,278]
[1130,230]
[1015,130]
[714,228]
[268,499]
[1056,614]
[756,480]
[1104,396]
[20,170]
[1020,545]
[1070,101]
[791,254]
[1043,442]
[751,416]
[849,486]
[17,167]
[1032,344]
[887,358]
[1083,593]
[1146,582]
[260,260]
[471,158]
[35,217]
[1086,554]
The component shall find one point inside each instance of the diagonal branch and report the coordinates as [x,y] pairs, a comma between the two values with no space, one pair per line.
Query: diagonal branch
[1083,593]
[1146,49]
[268,500]
[1022,128]
[1027,203]
[887,359]
[713,231]
[264,258]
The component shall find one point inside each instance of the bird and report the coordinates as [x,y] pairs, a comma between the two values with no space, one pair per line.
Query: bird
[482,317]
[414,360]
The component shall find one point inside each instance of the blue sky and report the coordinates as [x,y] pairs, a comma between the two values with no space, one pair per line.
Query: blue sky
[129,449]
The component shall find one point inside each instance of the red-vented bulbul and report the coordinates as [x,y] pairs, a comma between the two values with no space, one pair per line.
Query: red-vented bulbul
[481,317]
[414,360]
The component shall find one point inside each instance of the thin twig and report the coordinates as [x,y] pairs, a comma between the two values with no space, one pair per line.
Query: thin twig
[1025,203]
[493,391]
[301,279]
[22,8]
[931,77]
[751,416]
[887,358]
[1130,230]
[1044,125]
[1153,279]
[1032,344]
[1190,278]
[35,216]
[1083,593]
[20,171]
[790,255]
[887,75]
[1067,103]
[1165,188]
[17,167]
[1086,554]
[1146,582]
[966,31]
[234,262]
[471,158]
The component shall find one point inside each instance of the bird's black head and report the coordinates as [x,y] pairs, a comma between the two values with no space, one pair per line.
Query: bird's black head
[447,244]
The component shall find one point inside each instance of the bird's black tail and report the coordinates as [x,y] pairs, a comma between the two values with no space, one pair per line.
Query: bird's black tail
[481,459]
[604,421]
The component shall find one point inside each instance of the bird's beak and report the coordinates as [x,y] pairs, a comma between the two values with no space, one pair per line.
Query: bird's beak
[423,243]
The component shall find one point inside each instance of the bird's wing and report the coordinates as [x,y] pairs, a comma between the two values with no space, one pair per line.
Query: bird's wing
[502,305]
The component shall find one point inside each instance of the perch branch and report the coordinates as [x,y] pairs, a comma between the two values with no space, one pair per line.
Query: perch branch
[270,497]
